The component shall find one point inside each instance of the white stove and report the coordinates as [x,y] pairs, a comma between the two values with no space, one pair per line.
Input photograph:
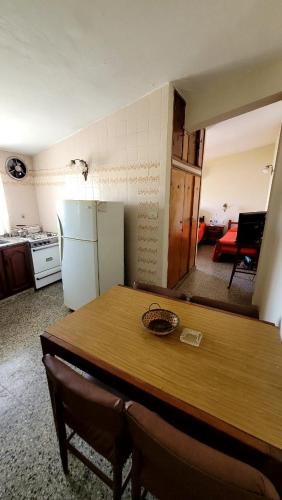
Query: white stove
[42,239]
[45,258]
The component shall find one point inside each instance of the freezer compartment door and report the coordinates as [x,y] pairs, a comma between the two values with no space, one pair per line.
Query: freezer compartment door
[79,272]
[77,219]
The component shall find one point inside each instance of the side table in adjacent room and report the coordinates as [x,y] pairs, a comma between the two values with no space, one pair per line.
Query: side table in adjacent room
[213,233]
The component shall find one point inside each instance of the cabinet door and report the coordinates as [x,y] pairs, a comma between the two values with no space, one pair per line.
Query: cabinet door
[178,125]
[3,286]
[192,149]
[194,226]
[185,146]
[186,224]
[177,190]
[200,144]
[18,268]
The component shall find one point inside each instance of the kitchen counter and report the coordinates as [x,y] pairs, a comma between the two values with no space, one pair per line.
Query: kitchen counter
[13,240]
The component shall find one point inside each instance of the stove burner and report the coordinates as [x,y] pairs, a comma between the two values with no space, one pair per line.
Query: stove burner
[42,239]
[40,236]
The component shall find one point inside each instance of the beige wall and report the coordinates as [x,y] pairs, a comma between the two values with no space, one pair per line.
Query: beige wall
[237,180]
[127,154]
[211,97]
[20,195]
[268,288]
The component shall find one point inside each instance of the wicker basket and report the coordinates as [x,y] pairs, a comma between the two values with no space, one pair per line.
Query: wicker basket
[160,321]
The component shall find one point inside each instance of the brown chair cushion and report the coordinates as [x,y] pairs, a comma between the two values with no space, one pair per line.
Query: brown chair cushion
[251,311]
[173,465]
[93,413]
[167,292]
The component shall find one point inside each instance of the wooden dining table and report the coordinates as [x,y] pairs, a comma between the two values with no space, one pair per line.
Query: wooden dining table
[232,382]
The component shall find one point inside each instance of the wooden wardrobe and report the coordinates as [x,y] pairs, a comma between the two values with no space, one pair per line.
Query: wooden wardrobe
[186,171]
[183,223]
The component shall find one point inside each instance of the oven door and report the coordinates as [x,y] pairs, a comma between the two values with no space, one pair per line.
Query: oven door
[45,257]
[46,277]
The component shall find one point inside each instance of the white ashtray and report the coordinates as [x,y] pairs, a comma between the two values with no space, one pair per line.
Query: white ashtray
[191,337]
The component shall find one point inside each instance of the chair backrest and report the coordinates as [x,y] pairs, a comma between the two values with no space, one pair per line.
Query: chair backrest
[242,309]
[167,292]
[250,228]
[92,412]
[172,465]
[232,223]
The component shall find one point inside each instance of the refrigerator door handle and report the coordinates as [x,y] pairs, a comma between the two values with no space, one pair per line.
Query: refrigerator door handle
[60,226]
[61,239]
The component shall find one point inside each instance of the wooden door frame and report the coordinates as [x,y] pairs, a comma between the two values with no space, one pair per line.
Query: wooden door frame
[190,208]
[197,221]
[246,108]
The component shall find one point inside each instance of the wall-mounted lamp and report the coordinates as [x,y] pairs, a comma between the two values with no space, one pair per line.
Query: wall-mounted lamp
[268,169]
[82,165]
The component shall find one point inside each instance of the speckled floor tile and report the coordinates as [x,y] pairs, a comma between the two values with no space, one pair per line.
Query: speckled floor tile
[30,466]
[210,279]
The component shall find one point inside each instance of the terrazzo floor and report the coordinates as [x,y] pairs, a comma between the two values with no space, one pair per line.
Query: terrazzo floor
[30,466]
[210,279]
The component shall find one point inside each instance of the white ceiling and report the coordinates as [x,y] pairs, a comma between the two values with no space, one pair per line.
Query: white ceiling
[68,63]
[248,131]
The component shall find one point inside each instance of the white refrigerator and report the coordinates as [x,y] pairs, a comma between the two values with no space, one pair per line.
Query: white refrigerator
[92,248]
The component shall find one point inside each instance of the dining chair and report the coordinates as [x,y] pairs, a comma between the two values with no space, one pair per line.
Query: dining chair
[94,414]
[171,465]
[248,241]
[167,292]
[242,309]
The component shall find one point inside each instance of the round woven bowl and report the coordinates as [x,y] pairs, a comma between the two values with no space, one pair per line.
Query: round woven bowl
[160,321]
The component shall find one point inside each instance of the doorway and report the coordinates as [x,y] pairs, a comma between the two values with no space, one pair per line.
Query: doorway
[237,174]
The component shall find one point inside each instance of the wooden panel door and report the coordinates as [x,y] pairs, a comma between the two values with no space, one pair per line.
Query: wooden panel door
[194,225]
[178,125]
[18,268]
[3,286]
[177,191]
[186,224]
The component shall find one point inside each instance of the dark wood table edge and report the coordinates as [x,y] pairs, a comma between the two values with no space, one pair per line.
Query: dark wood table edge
[94,366]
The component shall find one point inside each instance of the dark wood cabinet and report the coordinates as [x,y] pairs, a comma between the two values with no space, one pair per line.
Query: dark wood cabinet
[15,264]
[186,146]
[192,149]
[178,125]
[213,233]
[3,284]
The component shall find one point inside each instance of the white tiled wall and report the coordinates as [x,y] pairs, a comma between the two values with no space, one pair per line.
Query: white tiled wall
[127,155]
